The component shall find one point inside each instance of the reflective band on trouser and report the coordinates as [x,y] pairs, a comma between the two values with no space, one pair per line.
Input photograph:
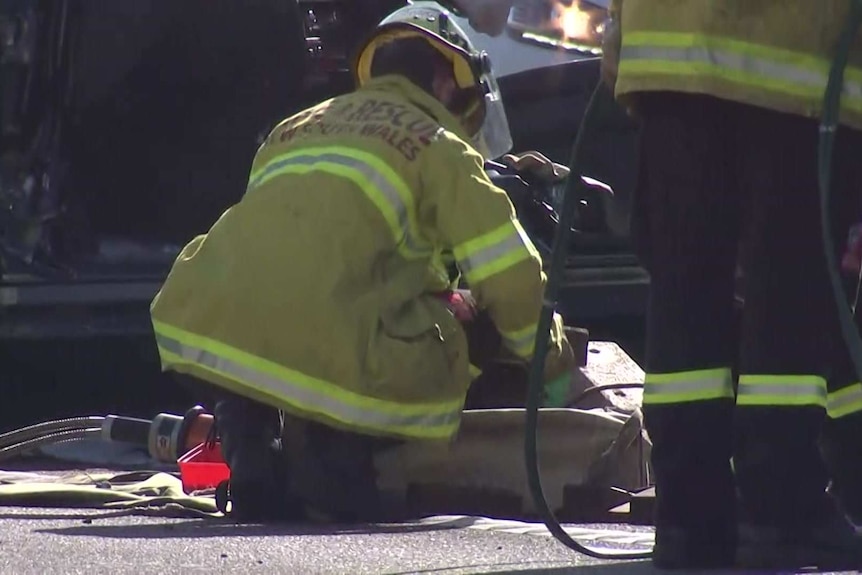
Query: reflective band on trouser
[781,390]
[845,401]
[688,386]
[743,63]
[380,183]
[422,421]
[494,252]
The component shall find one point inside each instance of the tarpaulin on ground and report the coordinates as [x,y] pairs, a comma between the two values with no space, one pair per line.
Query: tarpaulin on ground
[137,492]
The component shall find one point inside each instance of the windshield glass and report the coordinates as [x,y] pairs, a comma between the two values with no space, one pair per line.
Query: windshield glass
[543,33]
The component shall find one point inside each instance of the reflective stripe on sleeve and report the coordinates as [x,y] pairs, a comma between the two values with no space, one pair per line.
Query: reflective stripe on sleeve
[379,182]
[437,420]
[845,401]
[781,390]
[739,62]
[494,252]
[522,342]
[688,386]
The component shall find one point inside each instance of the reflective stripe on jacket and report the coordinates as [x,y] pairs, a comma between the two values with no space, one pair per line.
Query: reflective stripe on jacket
[769,53]
[313,293]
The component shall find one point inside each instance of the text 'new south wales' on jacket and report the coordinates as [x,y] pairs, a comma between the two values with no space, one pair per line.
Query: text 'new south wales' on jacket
[313,293]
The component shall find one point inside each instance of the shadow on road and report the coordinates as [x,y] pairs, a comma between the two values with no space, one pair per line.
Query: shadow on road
[202,528]
[209,528]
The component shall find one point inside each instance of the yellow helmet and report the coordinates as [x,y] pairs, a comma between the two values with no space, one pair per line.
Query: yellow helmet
[471,68]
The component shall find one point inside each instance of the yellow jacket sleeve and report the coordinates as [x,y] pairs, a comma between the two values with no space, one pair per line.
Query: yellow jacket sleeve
[467,213]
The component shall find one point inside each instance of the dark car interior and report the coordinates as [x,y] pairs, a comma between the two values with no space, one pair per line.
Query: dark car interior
[132,124]
[128,127]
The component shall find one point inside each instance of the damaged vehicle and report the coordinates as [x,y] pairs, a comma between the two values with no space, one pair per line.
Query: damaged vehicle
[128,127]
[564,24]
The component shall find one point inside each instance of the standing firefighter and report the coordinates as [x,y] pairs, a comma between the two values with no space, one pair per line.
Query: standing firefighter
[842,433]
[315,302]
[728,94]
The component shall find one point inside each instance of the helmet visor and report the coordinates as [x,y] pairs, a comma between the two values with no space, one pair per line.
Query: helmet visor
[494,138]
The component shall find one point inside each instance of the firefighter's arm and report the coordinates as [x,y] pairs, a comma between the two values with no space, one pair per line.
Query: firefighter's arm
[496,257]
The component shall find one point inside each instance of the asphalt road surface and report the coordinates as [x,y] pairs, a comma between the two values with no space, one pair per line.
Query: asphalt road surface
[47,541]
[53,541]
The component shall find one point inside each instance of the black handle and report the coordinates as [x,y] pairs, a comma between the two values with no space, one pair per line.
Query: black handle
[126,429]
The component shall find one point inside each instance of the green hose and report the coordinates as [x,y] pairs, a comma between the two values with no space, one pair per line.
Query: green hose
[828,128]
[849,331]
[537,366]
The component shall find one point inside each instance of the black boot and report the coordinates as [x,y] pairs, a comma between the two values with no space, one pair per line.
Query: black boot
[250,436]
[335,474]
[789,521]
[695,502]
[842,450]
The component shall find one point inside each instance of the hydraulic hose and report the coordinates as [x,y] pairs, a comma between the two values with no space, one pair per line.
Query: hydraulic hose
[828,127]
[49,439]
[17,436]
[165,437]
[537,366]
[599,388]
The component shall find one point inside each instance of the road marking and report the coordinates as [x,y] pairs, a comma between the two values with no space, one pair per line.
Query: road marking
[613,536]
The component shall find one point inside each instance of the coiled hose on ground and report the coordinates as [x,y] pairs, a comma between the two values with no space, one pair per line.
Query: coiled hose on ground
[850,333]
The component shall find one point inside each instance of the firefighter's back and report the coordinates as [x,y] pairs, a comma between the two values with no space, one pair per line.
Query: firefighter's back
[322,266]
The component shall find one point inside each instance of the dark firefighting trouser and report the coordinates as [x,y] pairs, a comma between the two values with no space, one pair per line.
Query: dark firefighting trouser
[715,177]
[283,467]
[842,437]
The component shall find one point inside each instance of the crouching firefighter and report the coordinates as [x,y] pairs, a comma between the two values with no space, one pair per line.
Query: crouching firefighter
[313,305]
[728,93]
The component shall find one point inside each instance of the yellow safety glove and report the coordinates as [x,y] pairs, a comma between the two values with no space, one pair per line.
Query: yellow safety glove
[556,392]
[560,367]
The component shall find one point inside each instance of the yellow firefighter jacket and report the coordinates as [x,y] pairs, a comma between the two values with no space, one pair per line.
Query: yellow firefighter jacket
[313,293]
[769,53]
